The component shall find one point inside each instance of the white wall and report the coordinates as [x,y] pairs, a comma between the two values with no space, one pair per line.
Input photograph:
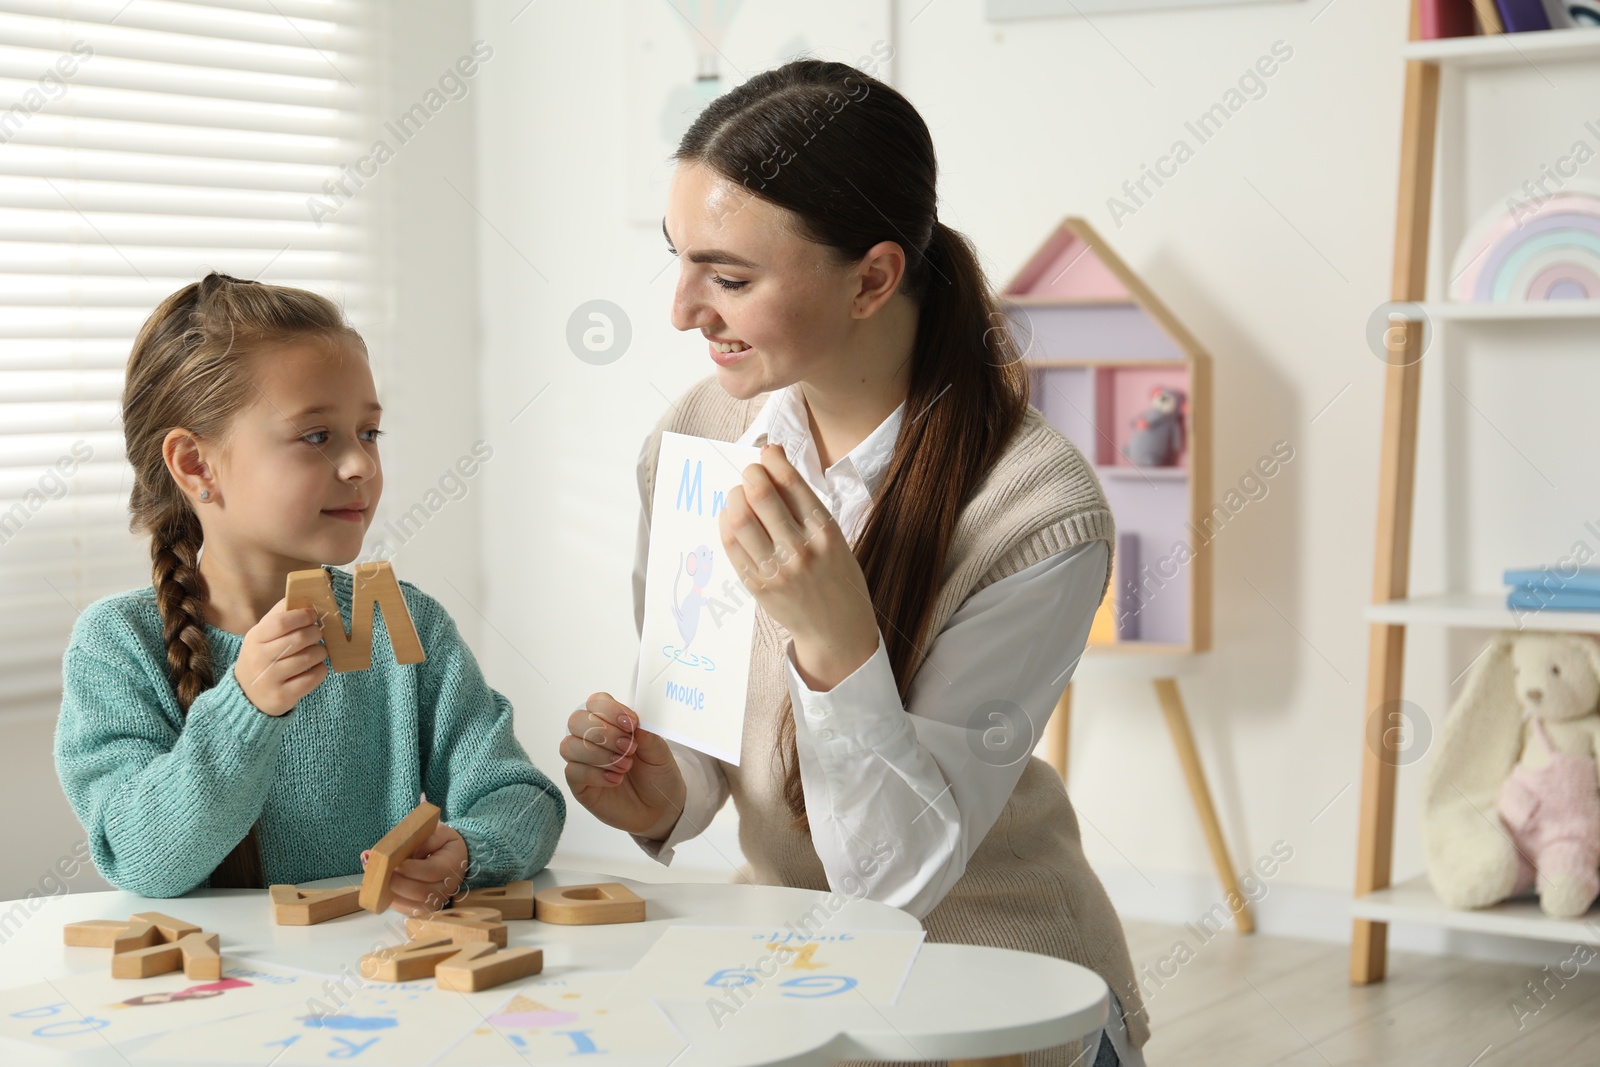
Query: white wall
[425,338]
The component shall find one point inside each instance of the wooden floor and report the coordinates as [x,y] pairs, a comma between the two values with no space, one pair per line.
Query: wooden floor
[1257,1000]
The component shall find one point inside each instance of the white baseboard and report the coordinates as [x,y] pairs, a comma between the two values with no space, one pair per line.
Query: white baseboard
[1307,913]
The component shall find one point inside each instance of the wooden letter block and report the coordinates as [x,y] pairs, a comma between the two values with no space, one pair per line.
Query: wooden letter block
[201,958]
[292,906]
[98,933]
[514,900]
[589,905]
[395,848]
[464,966]
[171,929]
[374,583]
[460,928]
[195,952]
[149,944]
[138,935]
[483,915]
[147,962]
[471,974]
[412,960]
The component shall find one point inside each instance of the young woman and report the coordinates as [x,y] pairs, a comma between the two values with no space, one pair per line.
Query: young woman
[926,552]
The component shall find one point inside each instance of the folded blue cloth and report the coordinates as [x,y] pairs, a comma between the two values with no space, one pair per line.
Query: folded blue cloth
[1523,598]
[1579,579]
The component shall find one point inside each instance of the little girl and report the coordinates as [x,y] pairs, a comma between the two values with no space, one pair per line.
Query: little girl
[202,740]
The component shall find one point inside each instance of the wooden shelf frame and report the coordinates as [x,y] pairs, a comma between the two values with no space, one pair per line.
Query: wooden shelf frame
[1376,902]
[1397,465]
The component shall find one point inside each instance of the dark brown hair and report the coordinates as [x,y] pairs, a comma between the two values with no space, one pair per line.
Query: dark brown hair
[189,369]
[853,162]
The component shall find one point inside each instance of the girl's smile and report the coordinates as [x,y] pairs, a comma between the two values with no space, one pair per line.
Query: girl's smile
[350,513]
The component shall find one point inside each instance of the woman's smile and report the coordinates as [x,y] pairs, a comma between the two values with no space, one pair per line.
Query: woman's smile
[726,354]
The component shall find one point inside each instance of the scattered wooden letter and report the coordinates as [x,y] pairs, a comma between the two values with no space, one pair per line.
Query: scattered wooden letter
[514,900]
[171,929]
[292,906]
[410,961]
[138,935]
[373,583]
[588,905]
[202,956]
[465,966]
[196,952]
[96,933]
[464,949]
[149,944]
[462,925]
[474,973]
[394,849]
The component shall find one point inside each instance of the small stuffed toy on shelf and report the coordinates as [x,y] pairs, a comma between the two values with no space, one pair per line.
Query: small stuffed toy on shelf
[1157,439]
[1511,798]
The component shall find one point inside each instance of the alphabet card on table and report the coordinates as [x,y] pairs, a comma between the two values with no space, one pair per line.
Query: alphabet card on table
[783,966]
[559,1017]
[88,1012]
[405,1024]
[699,619]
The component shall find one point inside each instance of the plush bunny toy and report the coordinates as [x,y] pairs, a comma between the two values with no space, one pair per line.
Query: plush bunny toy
[1511,799]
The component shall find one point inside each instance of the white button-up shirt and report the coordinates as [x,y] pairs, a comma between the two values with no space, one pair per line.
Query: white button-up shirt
[870,770]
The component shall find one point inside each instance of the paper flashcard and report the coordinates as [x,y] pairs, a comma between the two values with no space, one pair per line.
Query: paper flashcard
[403,1024]
[777,966]
[561,1017]
[699,619]
[92,1010]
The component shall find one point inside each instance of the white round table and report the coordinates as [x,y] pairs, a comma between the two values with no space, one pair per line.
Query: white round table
[959,1002]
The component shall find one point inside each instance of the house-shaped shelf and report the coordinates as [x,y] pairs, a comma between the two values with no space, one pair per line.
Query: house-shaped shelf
[1099,344]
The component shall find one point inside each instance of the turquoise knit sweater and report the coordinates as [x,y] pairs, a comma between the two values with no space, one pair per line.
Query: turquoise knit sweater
[164,798]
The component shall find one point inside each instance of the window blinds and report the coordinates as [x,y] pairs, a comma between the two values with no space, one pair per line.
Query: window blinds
[142,144]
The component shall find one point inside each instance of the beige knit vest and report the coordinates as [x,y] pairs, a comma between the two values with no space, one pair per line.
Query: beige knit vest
[1028,886]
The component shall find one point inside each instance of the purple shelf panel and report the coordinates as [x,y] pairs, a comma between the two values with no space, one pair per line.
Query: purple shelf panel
[1158,513]
[1065,397]
[1091,331]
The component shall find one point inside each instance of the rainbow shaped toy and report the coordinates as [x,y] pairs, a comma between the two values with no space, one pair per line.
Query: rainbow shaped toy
[1547,251]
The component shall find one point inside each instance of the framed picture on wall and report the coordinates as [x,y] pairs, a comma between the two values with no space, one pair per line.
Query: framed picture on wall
[684,53]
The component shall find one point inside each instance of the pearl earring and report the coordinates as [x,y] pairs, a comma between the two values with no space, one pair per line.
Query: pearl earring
[205,494]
